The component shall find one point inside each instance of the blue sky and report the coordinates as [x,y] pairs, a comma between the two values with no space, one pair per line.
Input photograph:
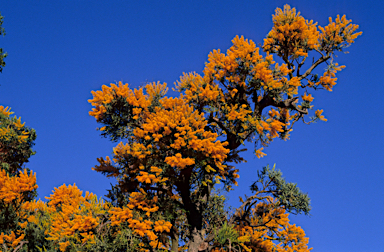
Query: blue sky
[61,50]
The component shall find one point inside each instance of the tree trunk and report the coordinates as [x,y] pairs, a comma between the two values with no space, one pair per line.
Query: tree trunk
[194,216]
[175,242]
[196,242]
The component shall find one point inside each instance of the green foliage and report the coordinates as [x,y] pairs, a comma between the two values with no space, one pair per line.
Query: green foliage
[215,212]
[13,152]
[35,233]
[8,217]
[117,119]
[226,234]
[123,241]
[288,194]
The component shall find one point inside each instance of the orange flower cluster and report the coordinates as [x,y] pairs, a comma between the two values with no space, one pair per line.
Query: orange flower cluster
[12,193]
[243,70]
[259,153]
[338,35]
[12,131]
[33,206]
[328,80]
[179,162]
[65,195]
[12,188]
[270,224]
[291,36]
[156,90]
[186,126]
[307,97]
[135,98]
[319,115]
[195,88]
[238,113]
[178,120]
[73,217]
[161,226]
[144,228]
[244,54]
[5,111]
[12,239]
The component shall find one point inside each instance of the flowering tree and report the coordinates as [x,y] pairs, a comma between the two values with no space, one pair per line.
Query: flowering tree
[17,186]
[174,150]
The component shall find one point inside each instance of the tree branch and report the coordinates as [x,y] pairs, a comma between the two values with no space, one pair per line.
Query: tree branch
[314,65]
[232,139]
[20,245]
[288,103]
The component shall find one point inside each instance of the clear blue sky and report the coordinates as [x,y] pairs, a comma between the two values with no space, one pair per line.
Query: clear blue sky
[61,50]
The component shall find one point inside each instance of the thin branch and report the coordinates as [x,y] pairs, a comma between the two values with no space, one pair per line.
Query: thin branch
[314,65]
[20,245]
[288,103]
[299,65]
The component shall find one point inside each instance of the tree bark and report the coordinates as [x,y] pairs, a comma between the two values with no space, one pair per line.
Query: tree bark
[175,241]
[194,218]
[197,243]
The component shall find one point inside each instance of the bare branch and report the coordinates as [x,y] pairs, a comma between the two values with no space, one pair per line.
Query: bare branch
[314,65]
[288,103]
[20,245]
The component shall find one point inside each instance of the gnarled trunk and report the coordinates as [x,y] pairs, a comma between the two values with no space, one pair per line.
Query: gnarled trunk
[196,243]
[175,240]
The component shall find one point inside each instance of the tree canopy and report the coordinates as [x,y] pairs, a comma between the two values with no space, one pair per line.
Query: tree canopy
[175,155]
[177,149]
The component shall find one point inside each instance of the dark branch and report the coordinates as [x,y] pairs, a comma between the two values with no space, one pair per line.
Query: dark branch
[314,65]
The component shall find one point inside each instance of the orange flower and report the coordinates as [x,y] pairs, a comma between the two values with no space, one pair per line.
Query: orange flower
[291,36]
[307,98]
[319,115]
[5,111]
[259,153]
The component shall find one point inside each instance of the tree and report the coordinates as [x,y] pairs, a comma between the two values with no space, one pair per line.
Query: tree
[17,186]
[174,150]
